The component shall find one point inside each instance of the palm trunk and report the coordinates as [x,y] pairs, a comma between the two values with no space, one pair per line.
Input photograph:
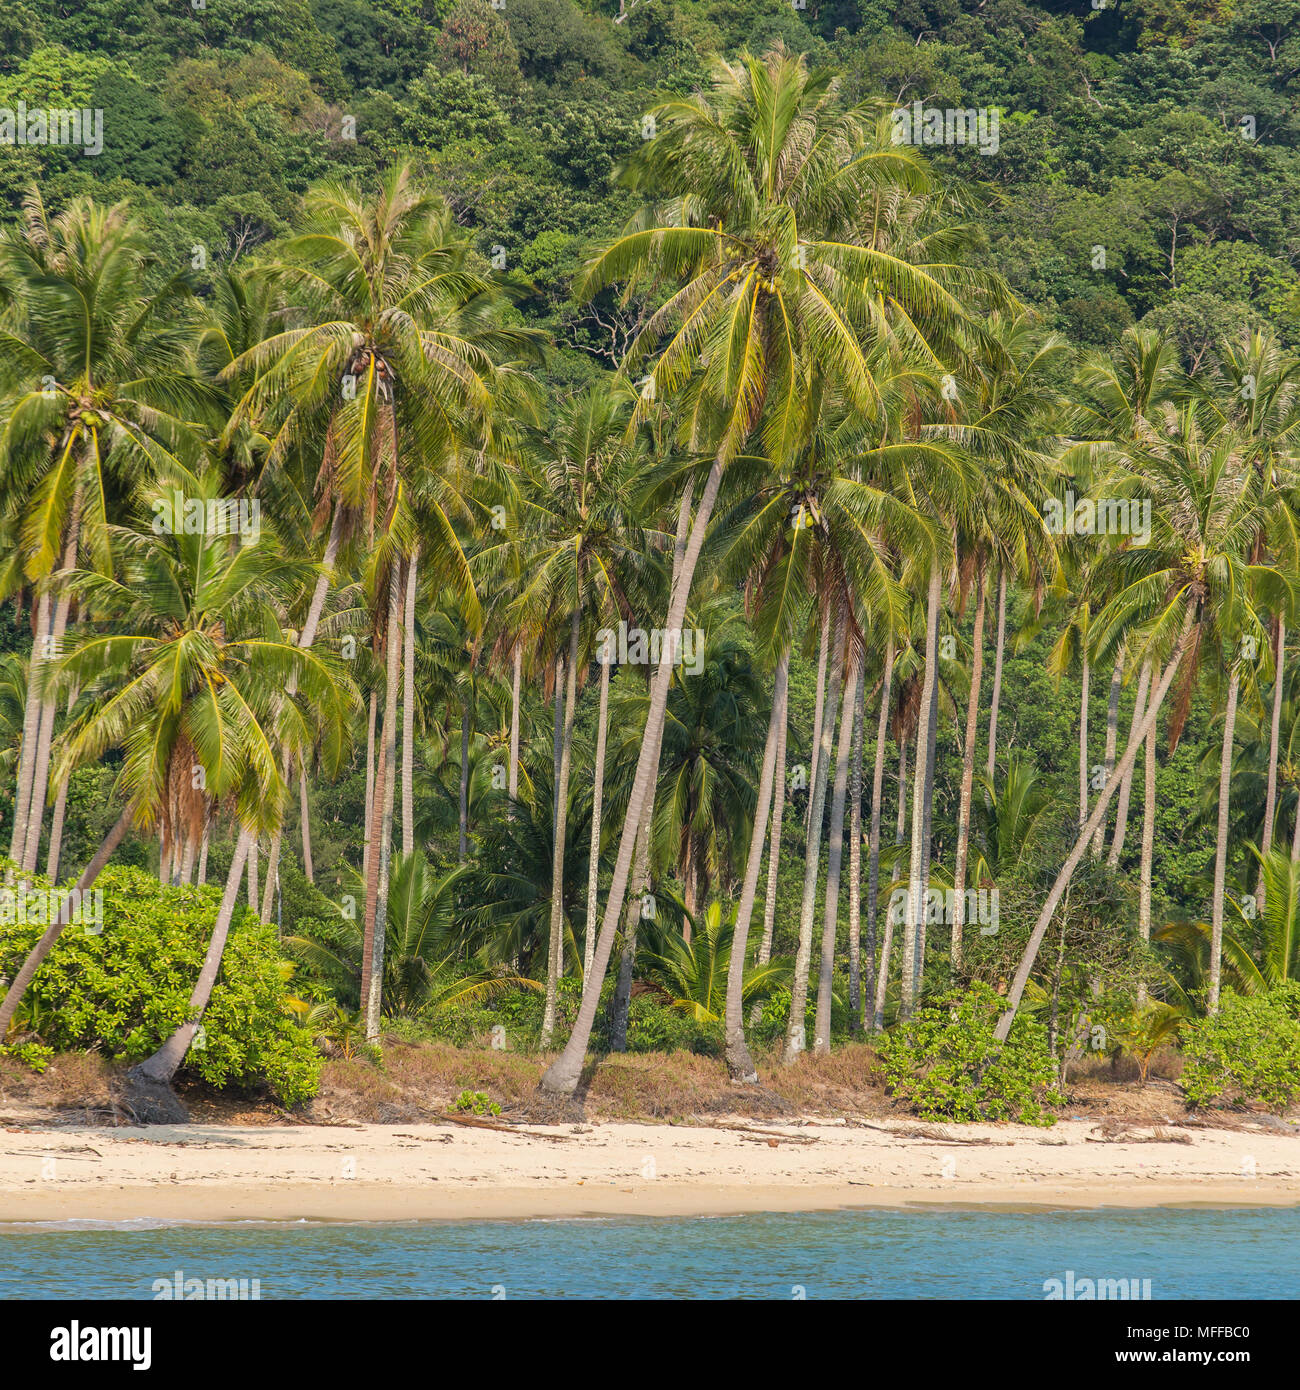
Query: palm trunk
[512,790]
[1148,846]
[1274,735]
[561,1077]
[304,815]
[1221,844]
[370,788]
[622,1000]
[817,713]
[1083,742]
[45,734]
[273,860]
[162,1066]
[796,1038]
[1112,733]
[967,779]
[926,820]
[555,953]
[597,798]
[1098,812]
[408,711]
[385,795]
[774,850]
[855,860]
[37,954]
[187,862]
[835,859]
[60,812]
[873,870]
[912,963]
[203,854]
[998,648]
[1126,783]
[900,832]
[740,1065]
[31,730]
[463,805]
[253,904]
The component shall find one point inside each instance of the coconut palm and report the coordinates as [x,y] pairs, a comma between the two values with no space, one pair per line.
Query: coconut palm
[1192,589]
[759,186]
[96,396]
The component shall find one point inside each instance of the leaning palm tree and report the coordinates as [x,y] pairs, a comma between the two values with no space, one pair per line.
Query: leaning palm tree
[185,670]
[760,185]
[1192,589]
[96,397]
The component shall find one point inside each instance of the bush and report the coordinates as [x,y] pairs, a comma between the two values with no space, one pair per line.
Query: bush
[124,989]
[1249,1052]
[947,1065]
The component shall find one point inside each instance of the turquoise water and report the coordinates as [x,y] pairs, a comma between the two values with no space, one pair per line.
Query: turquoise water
[1247,1253]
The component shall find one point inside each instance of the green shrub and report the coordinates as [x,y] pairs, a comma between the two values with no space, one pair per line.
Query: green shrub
[1249,1052]
[475,1103]
[124,989]
[947,1065]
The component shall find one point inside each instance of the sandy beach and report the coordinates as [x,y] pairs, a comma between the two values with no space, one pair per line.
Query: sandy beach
[446,1171]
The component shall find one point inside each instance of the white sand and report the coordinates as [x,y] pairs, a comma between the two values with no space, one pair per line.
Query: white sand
[405,1172]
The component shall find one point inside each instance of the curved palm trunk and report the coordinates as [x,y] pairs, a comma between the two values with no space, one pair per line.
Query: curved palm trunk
[304,814]
[815,755]
[855,861]
[37,954]
[555,952]
[874,992]
[162,1066]
[1274,735]
[740,1065]
[1035,941]
[835,859]
[967,779]
[597,797]
[408,711]
[1221,843]
[1126,783]
[31,731]
[915,913]
[516,679]
[1112,734]
[998,649]
[796,1038]
[561,1077]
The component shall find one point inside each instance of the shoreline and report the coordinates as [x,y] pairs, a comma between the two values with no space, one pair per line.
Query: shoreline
[378,1173]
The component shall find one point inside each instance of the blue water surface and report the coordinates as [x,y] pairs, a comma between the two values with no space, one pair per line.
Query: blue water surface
[1186,1253]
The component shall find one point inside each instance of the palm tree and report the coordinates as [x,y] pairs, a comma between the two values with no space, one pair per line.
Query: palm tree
[94,401]
[762,183]
[1191,588]
[691,971]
